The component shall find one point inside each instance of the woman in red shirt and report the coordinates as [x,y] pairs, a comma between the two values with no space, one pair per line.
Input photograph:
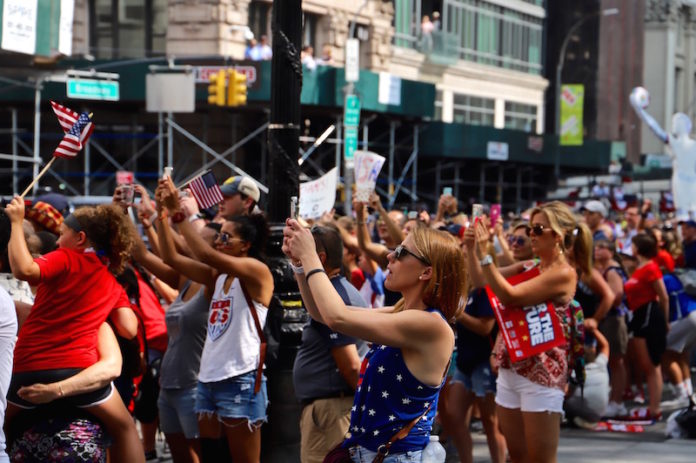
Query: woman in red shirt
[647,299]
[76,293]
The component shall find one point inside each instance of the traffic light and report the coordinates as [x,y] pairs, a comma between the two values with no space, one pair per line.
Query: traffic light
[216,89]
[237,89]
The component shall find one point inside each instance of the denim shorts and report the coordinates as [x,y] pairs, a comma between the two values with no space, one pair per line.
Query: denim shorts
[233,398]
[481,381]
[360,454]
[177,413]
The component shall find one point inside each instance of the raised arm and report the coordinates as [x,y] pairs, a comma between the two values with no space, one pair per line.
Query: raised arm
[375,251]
[639,108]
[21,262]
[392,227]
[155,265]
[94,377]
[193,269]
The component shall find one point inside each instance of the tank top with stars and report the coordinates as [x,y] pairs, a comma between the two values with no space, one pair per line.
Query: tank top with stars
[387,399]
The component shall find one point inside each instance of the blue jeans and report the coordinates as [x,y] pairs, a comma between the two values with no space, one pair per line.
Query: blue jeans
[360,454]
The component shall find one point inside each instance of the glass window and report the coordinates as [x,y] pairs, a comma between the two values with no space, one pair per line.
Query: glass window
[519,116]
[127,28]
[467,109]
[260,18]
[438,105]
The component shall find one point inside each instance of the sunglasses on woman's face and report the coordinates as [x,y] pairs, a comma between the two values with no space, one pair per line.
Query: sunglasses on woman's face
[400,252]
[517,240]
[536,230]
[225,237]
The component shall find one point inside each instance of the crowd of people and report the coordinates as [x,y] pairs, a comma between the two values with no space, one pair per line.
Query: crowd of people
[153,309]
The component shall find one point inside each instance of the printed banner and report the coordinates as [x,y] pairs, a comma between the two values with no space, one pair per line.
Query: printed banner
[318,196]
[367,167]
[19,26]
[572,102]
[530,330]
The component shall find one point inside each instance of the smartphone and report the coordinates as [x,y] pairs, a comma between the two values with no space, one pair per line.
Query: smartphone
[447,190]
[476,212]
[294,209]
[495,214]
[127,194]
[167,172]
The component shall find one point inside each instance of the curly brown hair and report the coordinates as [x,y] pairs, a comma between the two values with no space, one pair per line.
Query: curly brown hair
[110,231]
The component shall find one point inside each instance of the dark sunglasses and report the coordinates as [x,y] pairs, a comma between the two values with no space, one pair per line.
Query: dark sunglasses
[225,237]
[536,230]
[518,240]
[400,252]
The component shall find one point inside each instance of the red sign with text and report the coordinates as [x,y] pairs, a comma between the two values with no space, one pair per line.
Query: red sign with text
[530,330]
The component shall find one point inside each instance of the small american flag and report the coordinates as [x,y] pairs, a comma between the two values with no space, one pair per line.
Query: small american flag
[206,190]
[77,128]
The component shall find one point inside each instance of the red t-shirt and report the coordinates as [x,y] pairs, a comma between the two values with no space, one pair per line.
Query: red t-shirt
[357,278]
[75,295]
[639,289]
[152,314]
[664,259]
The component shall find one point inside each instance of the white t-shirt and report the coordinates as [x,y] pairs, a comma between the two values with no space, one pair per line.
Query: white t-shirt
[232,344]
[8,335]
[596,391]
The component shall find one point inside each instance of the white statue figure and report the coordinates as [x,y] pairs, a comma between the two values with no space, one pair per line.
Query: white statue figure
[682,150]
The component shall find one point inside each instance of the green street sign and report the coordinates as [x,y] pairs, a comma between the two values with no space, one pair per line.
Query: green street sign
[351,115]
[93,89]
[350,143]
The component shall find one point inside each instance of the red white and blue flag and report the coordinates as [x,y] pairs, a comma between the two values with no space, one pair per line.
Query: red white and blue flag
[206,190]
[77,128]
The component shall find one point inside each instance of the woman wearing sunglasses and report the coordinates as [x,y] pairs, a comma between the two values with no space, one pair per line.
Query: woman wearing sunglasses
[530,392]
[403,372]
[230,390]
[516,248]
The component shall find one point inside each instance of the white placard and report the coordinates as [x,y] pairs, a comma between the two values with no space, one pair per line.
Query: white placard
[19,25]
[367,167]
[65,31]
[497,151]
[352,60]
[318,196]
[170,92]
[389,89]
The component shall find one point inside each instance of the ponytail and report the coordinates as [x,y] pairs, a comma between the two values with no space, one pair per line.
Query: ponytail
[582,248]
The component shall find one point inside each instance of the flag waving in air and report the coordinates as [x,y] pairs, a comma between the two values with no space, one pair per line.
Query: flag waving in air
[77,128]
[206,190]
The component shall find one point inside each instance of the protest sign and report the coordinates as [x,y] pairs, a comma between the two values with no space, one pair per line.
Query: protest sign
[318,196]
[367,167]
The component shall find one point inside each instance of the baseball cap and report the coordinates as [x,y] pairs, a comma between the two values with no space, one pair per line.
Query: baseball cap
[595,206]
[243,185]
[45,215]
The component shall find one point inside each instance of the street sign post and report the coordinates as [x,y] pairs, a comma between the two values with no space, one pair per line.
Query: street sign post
[352,60]
[350,144]
[351,114]
[92,89]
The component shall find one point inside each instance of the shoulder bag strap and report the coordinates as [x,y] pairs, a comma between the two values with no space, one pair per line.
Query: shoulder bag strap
[262,337]
[383,449]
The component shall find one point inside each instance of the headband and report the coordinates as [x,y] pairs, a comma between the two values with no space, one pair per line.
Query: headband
[72,222]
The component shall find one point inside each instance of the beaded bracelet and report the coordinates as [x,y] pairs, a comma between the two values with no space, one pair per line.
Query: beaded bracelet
[314,272]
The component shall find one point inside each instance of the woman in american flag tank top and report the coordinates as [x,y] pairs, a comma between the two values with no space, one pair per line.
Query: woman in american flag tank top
[402,374]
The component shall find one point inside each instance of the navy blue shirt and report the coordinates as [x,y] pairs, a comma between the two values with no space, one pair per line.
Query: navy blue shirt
[472,348]
[388,398]
[690,255]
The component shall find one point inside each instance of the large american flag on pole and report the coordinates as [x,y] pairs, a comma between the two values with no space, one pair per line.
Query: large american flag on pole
[77,128]
[206,190]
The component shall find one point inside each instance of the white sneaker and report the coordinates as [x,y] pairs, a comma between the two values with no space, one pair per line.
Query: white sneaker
[679,402]
[615,410]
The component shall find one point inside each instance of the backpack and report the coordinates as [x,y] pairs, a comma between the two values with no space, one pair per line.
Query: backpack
[576,345]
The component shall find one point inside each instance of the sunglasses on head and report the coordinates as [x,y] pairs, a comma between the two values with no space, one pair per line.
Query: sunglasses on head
[518,240]
[536,230]
[400,252]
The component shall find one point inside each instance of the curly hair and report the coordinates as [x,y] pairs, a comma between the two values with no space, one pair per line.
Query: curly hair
[110,231]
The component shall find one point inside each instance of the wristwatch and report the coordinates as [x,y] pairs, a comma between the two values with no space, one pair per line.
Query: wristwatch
[487,260]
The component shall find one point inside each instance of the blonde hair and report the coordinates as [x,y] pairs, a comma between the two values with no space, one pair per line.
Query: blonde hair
[448,284]
[574,235]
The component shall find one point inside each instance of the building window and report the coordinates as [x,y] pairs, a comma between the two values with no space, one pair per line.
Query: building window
[438,105]
[519,116]
[127,28]
[260,18]
[479,31]
[309,30]
[467,109]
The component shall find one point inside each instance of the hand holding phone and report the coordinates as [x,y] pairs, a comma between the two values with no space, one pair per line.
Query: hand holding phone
[167,172]
[447,190]
[495,214]
[294,209]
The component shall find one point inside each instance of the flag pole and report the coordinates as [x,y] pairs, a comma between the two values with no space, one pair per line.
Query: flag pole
[38,177]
